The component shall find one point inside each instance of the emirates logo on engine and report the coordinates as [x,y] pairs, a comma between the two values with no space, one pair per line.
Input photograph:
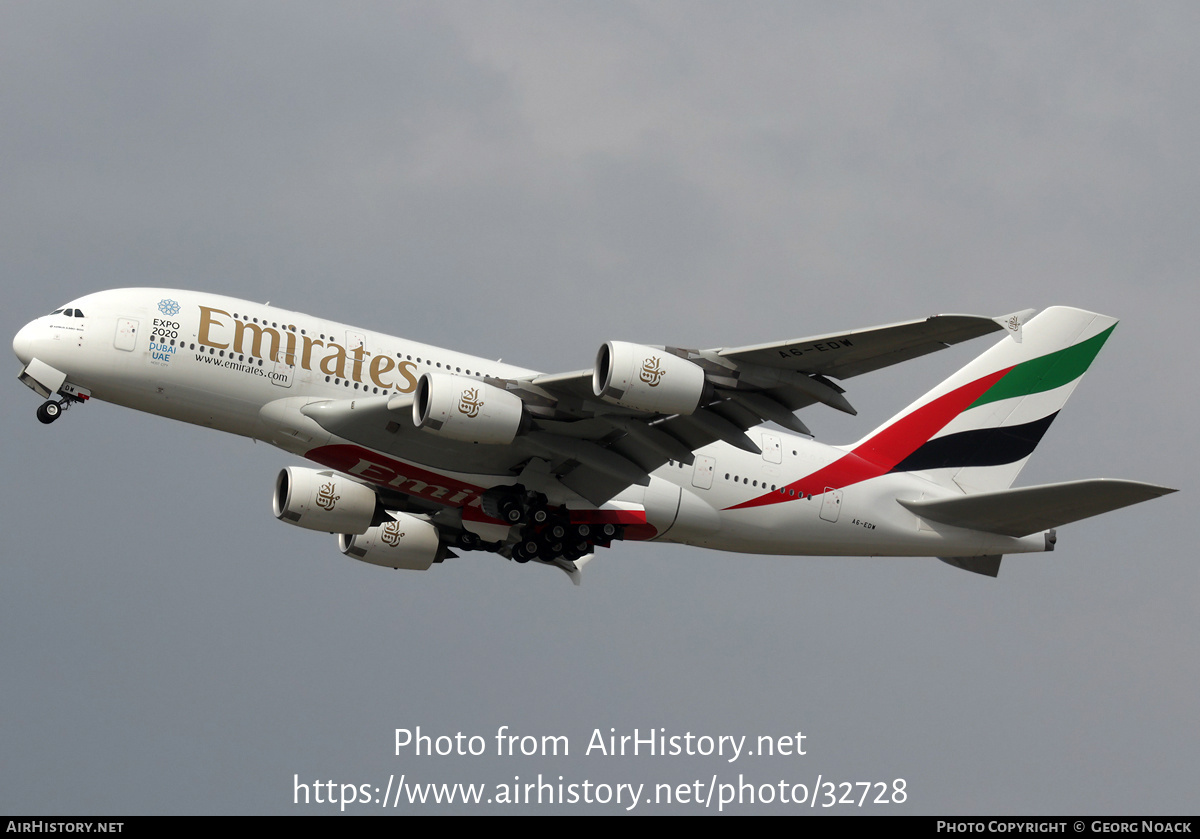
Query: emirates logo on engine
[391,534]
[326,500]
[651,372]
[470,403]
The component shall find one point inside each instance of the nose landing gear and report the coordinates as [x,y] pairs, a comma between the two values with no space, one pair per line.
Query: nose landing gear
[50,410]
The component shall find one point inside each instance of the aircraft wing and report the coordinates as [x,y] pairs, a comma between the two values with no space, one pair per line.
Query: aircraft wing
[750,385]
[847,354]
[839,355]
[598,445]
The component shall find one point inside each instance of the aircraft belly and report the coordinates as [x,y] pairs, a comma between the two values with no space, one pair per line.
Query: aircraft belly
[197,407]
[696,520]
[660,500]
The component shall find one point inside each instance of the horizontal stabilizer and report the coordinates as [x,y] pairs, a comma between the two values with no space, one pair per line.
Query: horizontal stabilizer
[1019,512]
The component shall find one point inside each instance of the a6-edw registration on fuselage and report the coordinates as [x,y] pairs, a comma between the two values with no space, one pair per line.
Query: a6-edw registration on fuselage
[420,452]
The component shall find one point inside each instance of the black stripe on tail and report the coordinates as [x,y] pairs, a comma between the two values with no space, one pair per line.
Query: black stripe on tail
[978,447]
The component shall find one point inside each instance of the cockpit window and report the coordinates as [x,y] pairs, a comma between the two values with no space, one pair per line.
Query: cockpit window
[79,313]
[57,312]
[69,313]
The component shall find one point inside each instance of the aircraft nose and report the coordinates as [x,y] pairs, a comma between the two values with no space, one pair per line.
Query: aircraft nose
[23,342]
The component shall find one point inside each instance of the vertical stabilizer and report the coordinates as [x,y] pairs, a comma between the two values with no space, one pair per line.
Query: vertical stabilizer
[976,430]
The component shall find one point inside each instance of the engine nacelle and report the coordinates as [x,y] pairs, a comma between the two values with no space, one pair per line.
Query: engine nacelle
[323,501]
[647,379]
[408,542]
[466,409]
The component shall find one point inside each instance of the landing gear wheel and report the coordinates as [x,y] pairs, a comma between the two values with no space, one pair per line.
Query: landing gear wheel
[525,551]
[49,412]
[468,541]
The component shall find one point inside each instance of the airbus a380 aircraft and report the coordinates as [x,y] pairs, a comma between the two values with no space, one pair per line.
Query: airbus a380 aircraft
[421,451]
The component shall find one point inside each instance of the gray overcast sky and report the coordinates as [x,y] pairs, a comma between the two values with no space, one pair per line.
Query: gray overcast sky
[528,180]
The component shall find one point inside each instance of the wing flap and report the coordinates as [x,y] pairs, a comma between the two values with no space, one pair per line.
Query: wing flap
[1026,510]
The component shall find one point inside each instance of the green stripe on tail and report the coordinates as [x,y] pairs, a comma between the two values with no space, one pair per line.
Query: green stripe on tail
[1047,372]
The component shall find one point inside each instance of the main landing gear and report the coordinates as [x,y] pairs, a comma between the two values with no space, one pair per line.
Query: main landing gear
[560,539]
[544,533]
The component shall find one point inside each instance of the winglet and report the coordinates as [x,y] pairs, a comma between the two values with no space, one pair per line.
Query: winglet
[1013,323]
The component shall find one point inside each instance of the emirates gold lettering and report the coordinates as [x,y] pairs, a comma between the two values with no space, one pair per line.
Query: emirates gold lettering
[470,403]
[359,353]
[326,500]
[335,364]
[241,327]
[306,358]
[391,534]
[381,364]
[651,372]
[290,352]
[261,341]
[408,371]
[206,321]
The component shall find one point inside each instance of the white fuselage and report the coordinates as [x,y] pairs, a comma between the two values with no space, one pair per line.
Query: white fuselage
[248,369]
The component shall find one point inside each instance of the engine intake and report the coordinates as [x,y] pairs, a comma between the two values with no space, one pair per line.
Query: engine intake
[323,501]
[467,409]
[647,379]
[407,542]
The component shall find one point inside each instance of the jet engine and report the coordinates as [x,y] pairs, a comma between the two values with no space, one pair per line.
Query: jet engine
[466,409]
[321,500]
[407,542]
[647,379]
